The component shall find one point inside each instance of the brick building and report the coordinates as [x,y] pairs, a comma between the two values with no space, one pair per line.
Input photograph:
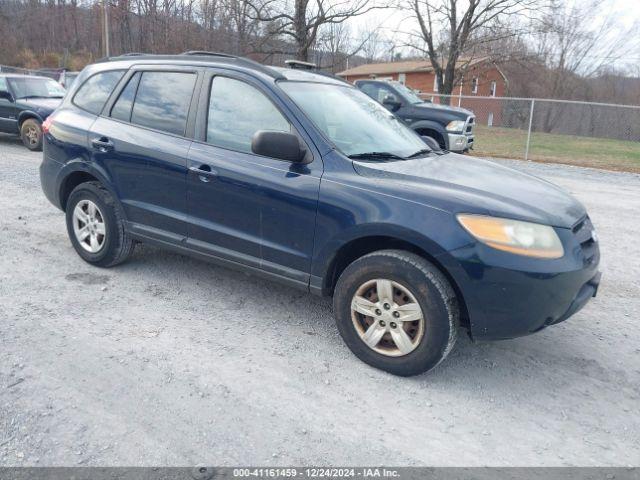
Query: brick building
[482,78]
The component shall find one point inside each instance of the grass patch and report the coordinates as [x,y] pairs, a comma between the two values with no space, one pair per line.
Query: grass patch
[553,148]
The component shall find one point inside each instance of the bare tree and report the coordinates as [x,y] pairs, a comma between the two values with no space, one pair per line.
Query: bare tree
[447,29]
[302,21]
[375,46]
[579,46]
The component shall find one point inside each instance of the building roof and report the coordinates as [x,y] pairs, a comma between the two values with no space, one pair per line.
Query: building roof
[402,67]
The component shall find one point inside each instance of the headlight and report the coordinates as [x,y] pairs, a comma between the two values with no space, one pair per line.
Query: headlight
[514,236]
[455,126]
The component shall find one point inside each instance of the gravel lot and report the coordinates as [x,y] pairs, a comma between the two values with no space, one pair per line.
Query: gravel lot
[168,361]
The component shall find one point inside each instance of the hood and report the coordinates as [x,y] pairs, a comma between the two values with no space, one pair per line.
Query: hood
[447,108]
[434,111]
[44,106]
[463,184]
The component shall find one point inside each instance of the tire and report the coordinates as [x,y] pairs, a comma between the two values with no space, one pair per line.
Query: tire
[31,134]
[414,281]
[114,244]
[432,143]
[435,136]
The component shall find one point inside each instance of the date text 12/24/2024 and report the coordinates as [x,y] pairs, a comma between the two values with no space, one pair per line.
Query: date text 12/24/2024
[315,472]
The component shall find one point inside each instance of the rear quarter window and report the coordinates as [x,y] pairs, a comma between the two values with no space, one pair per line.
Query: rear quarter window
[94,92]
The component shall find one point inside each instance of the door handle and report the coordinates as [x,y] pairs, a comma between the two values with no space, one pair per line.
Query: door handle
[102,144]
[205,172]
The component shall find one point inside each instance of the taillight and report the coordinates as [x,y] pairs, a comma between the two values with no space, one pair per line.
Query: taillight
[46,125]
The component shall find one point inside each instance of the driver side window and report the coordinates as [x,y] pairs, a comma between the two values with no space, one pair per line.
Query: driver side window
[379,92]
[237,111]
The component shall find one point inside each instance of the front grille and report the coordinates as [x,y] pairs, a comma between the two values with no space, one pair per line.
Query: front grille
[470,122]
[583,230]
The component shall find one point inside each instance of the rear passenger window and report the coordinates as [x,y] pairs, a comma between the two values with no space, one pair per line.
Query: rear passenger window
[93,93]
[237,111]
[122,108]
[163,100]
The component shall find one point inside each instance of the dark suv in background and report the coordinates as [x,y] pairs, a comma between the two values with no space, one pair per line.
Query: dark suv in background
[450,127]
[25,102]
[303,179]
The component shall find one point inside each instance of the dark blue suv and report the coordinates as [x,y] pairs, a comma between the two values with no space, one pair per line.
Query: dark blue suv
[302,178]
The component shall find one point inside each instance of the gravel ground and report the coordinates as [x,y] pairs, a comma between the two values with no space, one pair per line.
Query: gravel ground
[168,361]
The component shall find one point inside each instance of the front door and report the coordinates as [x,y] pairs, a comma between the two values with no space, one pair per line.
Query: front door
[243,207]
[141,141]
[8,121]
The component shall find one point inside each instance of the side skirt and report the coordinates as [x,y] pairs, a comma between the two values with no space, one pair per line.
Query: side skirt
[292,278]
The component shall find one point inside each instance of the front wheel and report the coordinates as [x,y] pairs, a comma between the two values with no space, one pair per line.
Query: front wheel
[31,134]
[396,312]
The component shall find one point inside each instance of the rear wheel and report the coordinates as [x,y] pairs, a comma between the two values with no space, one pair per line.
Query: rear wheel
[96,227]
[396,312]
[31,134]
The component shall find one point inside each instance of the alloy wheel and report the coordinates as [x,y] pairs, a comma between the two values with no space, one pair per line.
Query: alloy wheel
[31,133]
[88,226]
[387,317]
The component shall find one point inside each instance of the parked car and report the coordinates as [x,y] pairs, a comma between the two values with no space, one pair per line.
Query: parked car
[303,179]
[25,102]
[52,73]
[450,127]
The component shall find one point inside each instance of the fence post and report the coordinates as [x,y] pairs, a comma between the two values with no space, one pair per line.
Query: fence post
[526,151]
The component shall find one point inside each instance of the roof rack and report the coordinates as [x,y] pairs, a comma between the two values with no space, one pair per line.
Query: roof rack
[300,65]
[195,53]
[204,52]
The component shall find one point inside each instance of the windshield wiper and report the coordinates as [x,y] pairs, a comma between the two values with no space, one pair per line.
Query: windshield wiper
[39,96]
[420,152]
[380,155]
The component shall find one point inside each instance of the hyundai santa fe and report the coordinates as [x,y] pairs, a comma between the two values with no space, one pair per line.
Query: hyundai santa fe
[302,178]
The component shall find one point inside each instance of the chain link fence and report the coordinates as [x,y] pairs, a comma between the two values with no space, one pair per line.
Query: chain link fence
[582,133]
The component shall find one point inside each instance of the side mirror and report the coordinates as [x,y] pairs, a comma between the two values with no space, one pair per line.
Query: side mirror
[281,145]
[6,95]
[391,103]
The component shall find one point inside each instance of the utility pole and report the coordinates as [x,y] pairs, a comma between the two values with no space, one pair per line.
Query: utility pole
[105,29]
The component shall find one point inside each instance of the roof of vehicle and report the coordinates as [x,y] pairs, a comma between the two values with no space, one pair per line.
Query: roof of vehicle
[317,76]
[381,80]
[215,58]
[20,75]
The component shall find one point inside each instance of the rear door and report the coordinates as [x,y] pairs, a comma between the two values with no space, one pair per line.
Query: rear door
[255,210]
[142,141]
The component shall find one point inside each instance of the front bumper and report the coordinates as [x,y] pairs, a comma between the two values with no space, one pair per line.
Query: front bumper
[508,296]
[460,142]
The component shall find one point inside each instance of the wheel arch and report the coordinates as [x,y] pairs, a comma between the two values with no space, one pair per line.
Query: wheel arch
[77,172]
[432,129]
[363,245]
[26,115]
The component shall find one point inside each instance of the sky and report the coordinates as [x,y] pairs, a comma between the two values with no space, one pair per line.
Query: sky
[626,12]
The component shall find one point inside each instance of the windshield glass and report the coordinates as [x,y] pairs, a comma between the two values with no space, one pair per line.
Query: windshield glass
[407,93]
[355,123]
[36,87]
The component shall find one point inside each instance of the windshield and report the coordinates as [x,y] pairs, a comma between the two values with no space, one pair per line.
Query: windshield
[355,123]
[36,87]
[407,93]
